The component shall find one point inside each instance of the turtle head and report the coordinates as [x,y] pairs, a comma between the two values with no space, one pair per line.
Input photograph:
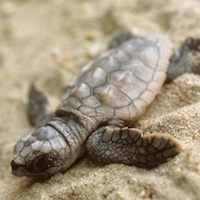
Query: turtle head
[40,154]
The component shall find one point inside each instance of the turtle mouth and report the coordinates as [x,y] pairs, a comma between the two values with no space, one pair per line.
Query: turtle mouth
[20,170]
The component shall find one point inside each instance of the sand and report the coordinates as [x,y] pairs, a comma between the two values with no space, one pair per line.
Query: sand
[48,42]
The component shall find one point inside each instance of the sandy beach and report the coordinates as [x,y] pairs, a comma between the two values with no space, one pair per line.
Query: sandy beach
[48,43]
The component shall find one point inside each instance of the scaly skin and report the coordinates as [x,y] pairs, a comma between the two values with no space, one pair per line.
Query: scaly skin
[129,146]
[96,112]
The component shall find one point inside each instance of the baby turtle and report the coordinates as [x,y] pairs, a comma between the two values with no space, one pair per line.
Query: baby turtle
[97,112]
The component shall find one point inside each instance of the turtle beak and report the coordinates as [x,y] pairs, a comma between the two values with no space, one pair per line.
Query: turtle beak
[18,170]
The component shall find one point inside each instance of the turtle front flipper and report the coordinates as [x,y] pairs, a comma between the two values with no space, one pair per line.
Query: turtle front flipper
[129,146]
[185,59]
[39,111]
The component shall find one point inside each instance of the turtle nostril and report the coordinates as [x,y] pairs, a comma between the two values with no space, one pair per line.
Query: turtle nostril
[14,165]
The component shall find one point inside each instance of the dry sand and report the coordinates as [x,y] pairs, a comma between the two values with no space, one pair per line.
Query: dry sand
[48,42]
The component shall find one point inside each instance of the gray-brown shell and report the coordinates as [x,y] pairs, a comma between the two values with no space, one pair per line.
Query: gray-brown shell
[123,81]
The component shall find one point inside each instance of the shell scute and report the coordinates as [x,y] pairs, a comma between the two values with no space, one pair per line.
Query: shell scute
[96,77]
[112,96]
[92,101]
[81,91]
[100,111]
[138,68]
[120,56]
[150,57]
[121,78]
[123,81]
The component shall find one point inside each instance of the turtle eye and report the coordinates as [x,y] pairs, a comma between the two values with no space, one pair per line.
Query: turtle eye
[43,163]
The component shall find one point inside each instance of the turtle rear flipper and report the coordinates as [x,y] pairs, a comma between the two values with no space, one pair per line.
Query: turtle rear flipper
[120,38]
[129,146]
[185,59]
[39,111]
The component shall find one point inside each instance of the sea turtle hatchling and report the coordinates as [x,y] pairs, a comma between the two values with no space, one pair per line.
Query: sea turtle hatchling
[97,112]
